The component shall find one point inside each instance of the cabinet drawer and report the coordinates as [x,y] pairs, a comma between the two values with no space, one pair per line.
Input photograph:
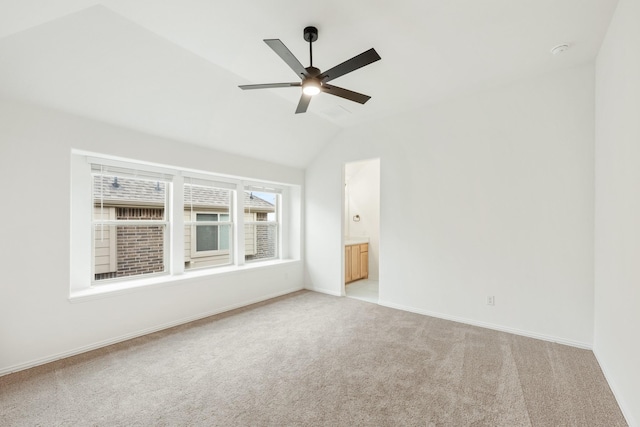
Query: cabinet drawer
[364,247]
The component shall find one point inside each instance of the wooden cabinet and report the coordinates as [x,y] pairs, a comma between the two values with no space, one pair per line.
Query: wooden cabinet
[356,260]
[347,264]
[364,261]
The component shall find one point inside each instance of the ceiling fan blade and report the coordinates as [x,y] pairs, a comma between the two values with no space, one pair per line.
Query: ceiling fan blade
[269,85]
[286,55]
[345,93]
[303,104]
[359,61]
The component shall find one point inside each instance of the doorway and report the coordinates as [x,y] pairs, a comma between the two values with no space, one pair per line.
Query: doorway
[361,225]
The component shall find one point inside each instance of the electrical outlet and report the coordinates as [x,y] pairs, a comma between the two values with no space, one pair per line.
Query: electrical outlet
[491,300]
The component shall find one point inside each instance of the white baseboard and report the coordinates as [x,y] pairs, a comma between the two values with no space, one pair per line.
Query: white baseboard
[104,343]
[325,291]
[578,344]
[616,394]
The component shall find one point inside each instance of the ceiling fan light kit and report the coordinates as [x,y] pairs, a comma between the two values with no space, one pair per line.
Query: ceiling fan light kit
[311,87]
[313,80]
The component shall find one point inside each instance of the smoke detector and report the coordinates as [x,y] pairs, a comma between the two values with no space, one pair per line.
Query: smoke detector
[557,50]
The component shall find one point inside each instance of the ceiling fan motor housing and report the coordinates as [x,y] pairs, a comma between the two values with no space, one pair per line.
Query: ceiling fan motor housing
[310,34]
[312,71]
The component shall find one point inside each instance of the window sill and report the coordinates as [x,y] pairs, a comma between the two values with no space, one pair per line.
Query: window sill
[103,291]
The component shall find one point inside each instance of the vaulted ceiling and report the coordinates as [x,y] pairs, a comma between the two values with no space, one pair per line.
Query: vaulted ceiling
[172,67]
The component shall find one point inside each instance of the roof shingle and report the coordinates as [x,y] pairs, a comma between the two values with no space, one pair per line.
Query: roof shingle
[129,191]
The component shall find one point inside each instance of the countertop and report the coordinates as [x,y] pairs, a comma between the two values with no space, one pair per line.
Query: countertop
[355,240]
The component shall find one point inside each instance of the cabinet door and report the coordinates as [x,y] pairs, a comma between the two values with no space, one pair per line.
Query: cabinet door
[347,264]
[364,265]
[355,262]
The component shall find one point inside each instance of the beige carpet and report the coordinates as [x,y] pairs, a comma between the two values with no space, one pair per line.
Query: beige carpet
[308,359]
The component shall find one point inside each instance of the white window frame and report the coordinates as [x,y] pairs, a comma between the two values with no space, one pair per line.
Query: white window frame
[124,172]
[193,223]
[82,283]
[276,224]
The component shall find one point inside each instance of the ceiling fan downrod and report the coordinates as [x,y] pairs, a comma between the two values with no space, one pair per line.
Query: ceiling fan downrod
[310,35]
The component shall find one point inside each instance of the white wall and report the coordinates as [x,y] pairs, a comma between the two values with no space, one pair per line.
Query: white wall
[363,191]
[617,213]
[490,194]
[37,321]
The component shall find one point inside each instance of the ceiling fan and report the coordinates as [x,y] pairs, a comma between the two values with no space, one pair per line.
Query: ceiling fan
[314,81]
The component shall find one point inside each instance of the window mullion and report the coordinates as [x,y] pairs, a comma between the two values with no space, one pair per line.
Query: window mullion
[176,216]
[239,235]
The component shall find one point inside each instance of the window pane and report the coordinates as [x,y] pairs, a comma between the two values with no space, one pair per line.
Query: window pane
[206,245]
[199,197]
[207,217]
[225,237]
[261,241]
[136,199]
[206,238]
[195,259]
[128,250]
[265,202]
[105,260]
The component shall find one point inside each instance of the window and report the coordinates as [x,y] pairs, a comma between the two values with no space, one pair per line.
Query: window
[132,220]
[208,224]
[129,223]
[261,223]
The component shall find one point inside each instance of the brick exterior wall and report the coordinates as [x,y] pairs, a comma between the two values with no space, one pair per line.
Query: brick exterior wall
[140,248]
[265,239]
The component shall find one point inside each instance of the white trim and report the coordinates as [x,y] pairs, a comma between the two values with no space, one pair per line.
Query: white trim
[100,344]
[261,187]
[626,413]
[157,281]
[211,181]
[279,234]
[130,169]
[81,257]
[324,291]
[175,213]
[544,337]
[270,223]
[239,249]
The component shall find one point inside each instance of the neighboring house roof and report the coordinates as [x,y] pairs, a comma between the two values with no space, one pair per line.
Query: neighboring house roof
[137,192]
